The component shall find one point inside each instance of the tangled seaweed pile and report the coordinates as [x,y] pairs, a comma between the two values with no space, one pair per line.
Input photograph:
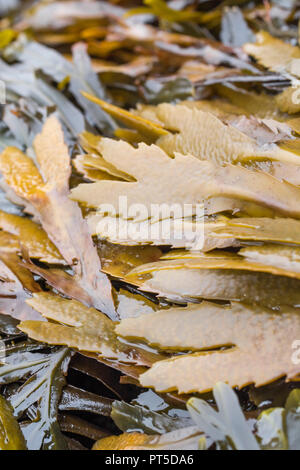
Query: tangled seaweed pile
[114,335]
